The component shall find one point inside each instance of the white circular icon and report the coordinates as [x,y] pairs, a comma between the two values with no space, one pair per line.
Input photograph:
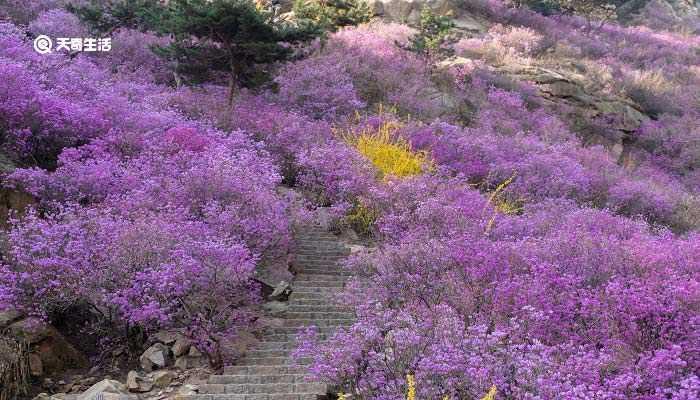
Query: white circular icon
[43,44]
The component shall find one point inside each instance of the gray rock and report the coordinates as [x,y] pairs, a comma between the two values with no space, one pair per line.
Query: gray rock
[188,390]
[138,383]
[409,10]
[276,307]
[7,317]
[166,337]
[156,357]
[181,346]
[33,330]
[187,362]
[106,390]
[281,292]
[162,379]
[36,366]
[194,352]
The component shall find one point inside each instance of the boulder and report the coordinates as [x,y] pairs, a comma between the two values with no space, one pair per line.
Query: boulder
[36,367]
[106,390]
[32,330]
[181,347]
[276,307]
[13,200]
[50,352]
[137,383]
[188,390]
[165,337]
[155,357]
[409,10]
[162,379]
[273,272]
[8,317]
[187,362]
[194,352]
[281,292]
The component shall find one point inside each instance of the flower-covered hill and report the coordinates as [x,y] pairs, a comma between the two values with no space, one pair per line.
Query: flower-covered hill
[531,192]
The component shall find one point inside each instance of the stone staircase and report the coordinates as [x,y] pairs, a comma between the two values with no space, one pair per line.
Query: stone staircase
[268,372]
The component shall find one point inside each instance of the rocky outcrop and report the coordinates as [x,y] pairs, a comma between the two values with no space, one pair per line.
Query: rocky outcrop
[10,199]
[565,88]
[50,352]
[408,11]
[571,93]
[672,11]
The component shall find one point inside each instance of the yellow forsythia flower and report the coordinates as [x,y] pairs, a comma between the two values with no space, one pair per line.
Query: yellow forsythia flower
[411,395]
[389,153]
[491,395]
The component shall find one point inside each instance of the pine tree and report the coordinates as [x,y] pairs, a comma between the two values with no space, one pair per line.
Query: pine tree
[106,16]
[230,36]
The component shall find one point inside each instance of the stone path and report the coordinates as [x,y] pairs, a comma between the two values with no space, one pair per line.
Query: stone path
[268,372]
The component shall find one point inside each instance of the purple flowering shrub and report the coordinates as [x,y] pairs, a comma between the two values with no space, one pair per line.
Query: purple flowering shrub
[320,87]
[57,23]
[22,12]
[148,270]
[379,72]
[36,118]
[507,139]
[131,56]
[147,219]
[170,228]
[523,306]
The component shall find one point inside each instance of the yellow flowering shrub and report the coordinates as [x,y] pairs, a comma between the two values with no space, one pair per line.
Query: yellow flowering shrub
[491,395]
[389,153]
[411,393]
[500,203]
[361,218]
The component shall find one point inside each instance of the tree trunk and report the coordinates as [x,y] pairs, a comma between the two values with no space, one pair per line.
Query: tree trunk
[232,83]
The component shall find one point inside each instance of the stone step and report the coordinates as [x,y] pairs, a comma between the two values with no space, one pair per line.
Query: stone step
[318,256]
[318,315]
[317,322]
[317,284]
[260,353]
[307,252]
[319,296]
[325,271]
[295,330]
[323,244]
[276,345]
[274,361]
[305,299]
[318,240]
[266,370]
[304,277]
[266,388]
[319,308]
[259,396]
[252,378]
[320,289]
[335,268]
[292,336]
